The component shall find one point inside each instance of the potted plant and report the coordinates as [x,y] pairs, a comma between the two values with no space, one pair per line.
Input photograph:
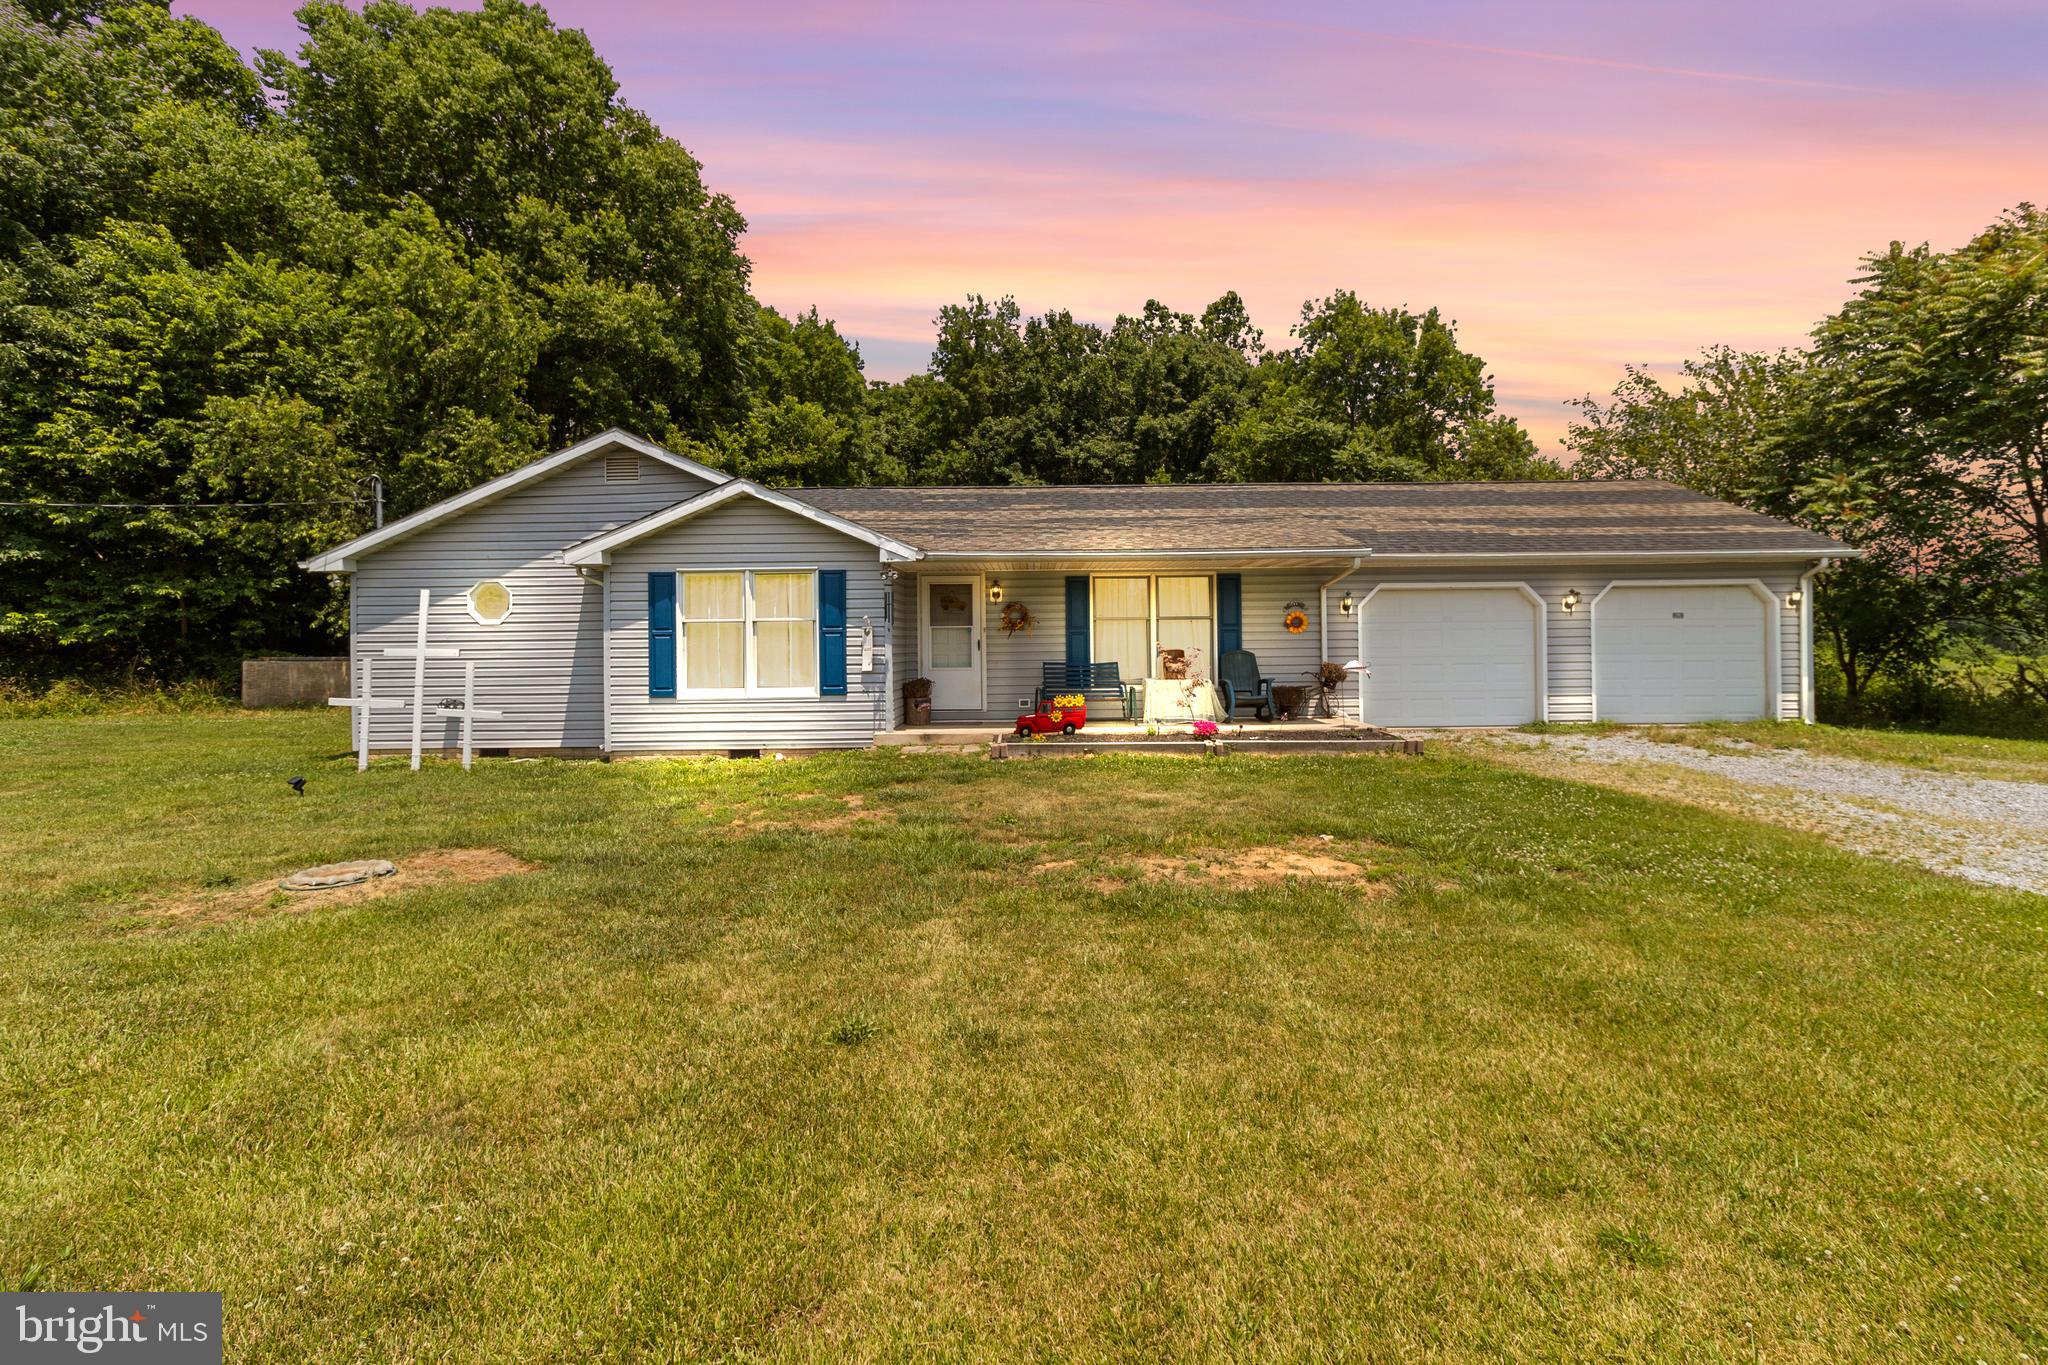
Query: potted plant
[917,702]
[1328,677]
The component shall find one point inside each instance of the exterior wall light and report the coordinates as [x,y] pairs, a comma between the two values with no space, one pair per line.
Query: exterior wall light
[1571,599]
[1347,606]
[995,590]
[1793,600]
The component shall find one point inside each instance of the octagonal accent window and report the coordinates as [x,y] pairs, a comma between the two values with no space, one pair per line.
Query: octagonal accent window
[490,602]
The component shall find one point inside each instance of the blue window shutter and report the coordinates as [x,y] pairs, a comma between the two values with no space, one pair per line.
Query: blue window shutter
[832,632]
[1229,613]
[1077,622]
[661,635]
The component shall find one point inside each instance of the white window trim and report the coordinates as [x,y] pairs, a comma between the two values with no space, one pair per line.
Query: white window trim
[749,644]
[1152,620]
[469,602]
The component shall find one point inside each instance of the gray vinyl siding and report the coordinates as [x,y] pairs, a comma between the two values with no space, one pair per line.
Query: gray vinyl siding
[744,534]
[544,665]
[1013,662]
[1569,635]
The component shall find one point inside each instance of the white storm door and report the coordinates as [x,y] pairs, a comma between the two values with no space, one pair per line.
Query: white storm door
[1673,654]
[951,632]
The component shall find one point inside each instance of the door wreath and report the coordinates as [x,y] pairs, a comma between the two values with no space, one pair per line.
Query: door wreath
[1016,617]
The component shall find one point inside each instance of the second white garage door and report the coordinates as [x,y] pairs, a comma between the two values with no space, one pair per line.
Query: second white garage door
[1450,656]
[1676,654]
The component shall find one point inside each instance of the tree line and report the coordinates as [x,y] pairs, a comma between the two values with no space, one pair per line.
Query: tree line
[430,246]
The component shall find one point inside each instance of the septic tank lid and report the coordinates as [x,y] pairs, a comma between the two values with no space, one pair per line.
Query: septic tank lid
[330,875]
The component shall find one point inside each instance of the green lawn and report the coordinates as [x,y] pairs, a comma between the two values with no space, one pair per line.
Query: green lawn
[749,1069]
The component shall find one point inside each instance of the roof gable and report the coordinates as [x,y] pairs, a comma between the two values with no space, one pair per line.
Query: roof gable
[598,549]
[342,558]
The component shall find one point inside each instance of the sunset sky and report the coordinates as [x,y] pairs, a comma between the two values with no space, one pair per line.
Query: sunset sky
[1579,186]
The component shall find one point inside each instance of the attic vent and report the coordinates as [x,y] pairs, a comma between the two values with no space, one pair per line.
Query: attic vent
[622,468]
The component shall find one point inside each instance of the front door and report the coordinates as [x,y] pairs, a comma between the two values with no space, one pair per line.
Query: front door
[951,631]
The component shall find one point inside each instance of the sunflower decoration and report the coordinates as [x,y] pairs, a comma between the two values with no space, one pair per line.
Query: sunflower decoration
[1295,619]
[1016,617]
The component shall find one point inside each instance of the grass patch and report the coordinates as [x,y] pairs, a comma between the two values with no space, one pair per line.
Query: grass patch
[730,1074]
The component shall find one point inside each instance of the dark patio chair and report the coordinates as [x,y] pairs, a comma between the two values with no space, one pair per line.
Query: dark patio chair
[1238,676]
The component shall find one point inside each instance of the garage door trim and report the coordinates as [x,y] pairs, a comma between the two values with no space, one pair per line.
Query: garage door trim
[1774,648]
[1439,585]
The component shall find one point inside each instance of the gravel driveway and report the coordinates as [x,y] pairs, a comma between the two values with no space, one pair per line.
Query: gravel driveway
[1976,827]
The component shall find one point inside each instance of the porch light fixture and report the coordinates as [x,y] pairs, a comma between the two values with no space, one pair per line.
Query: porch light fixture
[995,590]
[1571,599]
[1347,606]
[1793,599]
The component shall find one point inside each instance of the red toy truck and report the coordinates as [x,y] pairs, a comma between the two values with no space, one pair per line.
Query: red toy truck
[1065,713]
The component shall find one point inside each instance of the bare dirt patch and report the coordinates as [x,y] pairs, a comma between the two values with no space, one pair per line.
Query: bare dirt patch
[1242,869]
[853,811]
[433,867]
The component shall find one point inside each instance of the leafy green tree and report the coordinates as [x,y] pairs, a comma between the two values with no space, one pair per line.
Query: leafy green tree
[1709,432]
[1936,395]
[1009,399]
[1371,394]
[445,248]
[511,131]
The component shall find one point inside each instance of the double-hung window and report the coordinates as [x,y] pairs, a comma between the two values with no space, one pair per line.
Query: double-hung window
[750,632]
[1138,614]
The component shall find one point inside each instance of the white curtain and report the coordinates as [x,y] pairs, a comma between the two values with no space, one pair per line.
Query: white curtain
[1186,620]
[1123,625]
[785,630]
[714,630]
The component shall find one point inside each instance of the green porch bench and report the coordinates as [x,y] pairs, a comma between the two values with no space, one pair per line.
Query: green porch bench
[1097,682]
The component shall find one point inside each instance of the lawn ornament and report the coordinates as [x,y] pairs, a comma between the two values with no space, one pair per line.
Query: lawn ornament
[468,710]
[361,707]
[1062,714]
[419,654]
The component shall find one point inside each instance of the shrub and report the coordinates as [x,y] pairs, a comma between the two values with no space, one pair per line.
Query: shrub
[65,697]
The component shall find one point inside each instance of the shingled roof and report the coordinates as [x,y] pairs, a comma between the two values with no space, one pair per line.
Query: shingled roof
[1562,517]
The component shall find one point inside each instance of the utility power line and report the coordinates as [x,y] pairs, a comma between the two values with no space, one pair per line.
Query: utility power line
[185,506]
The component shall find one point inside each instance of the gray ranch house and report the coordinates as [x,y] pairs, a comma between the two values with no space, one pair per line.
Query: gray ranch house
[618,598]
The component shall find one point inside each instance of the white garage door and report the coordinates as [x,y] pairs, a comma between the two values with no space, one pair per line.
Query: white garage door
[1450,656]
[1679,654]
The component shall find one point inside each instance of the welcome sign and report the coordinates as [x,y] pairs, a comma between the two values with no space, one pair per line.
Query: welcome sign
[158,1329]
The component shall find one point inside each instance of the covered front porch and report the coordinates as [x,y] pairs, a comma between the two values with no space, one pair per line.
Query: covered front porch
[983,632]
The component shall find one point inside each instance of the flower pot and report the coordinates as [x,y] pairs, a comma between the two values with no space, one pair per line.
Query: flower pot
[919,713]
